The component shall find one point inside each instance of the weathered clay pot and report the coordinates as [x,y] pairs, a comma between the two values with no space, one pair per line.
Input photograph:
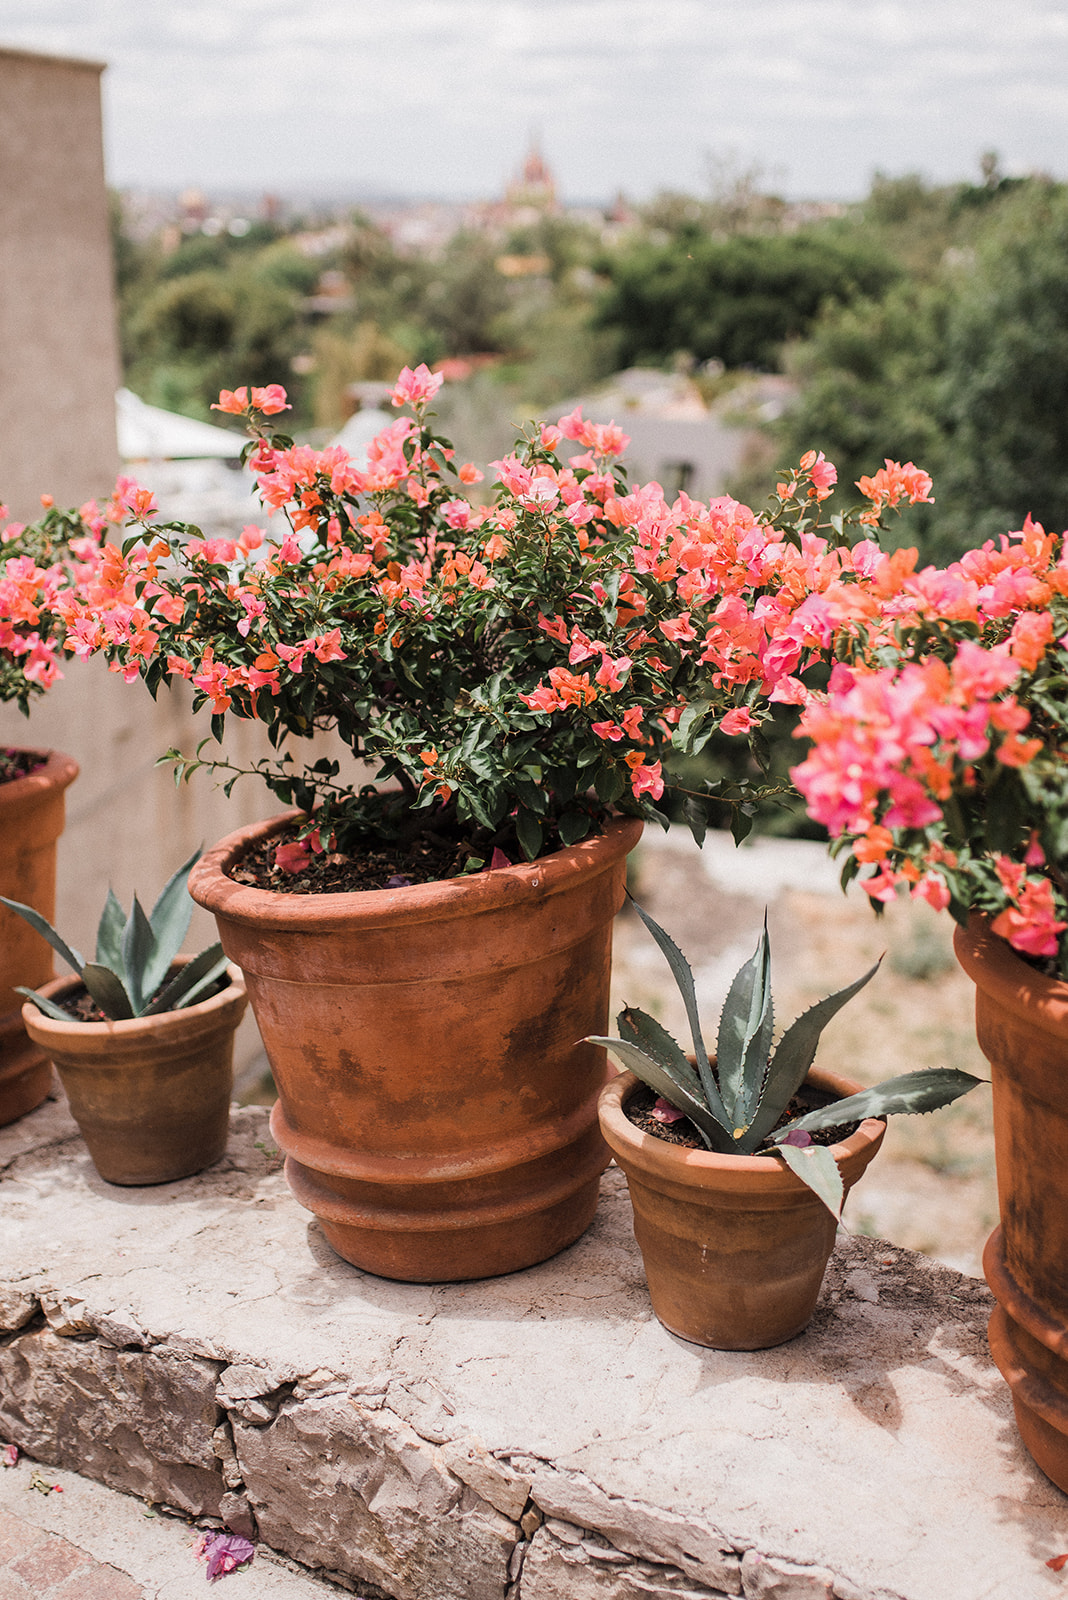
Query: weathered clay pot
[31,821]
[150,1095]
[735,1247]
[437,1107]
[1021,1021]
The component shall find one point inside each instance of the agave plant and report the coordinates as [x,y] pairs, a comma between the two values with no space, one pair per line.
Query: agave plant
[134,955]
[736,1100]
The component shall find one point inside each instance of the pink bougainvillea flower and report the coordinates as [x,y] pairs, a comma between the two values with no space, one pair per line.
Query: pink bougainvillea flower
[740,720]
[223,1552]
[270,400]
[413,388]
[234,401]
[498,860]
[293,857]
[664,1111]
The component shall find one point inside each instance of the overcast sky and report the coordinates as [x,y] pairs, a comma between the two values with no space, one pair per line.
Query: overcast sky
[441,96]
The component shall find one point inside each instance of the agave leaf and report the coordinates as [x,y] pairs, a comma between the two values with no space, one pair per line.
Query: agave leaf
[793,1057]
[912,1092]
[108,990]
[109,934]
[814,1165]
[138,950]
[169,921]
[745,1033]
[42,1002]
[46,930]
[658,1079]
[637,1027]
[186,987]
[680,968]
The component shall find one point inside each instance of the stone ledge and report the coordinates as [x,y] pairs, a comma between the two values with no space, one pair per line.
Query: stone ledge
[533,1437]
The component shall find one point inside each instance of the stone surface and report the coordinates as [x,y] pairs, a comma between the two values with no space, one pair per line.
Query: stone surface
[410,1440]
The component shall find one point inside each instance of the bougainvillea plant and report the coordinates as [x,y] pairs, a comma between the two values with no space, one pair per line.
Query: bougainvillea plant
[940,751]
[510,669]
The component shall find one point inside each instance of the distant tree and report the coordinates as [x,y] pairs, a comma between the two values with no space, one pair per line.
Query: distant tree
[736,299]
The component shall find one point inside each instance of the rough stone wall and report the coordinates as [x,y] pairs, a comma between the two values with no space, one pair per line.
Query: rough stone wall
[327,1472]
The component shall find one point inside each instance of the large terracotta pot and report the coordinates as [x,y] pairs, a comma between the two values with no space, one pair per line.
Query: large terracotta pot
[735,1247]
[150,1095]
[1021,1021]
[437,1106]
[31,821]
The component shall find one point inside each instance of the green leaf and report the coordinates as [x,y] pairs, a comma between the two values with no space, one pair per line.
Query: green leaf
[528,832]
[109,933]
[746,1025]
[794,1055]
[42,1003]
[662,1083]
[680,968]
[169,921]
[815,1165]
[108,990]
[75,961]
[695,814]
[190,984]
[573,826]
[741,823]
[910,1094]
[685,738]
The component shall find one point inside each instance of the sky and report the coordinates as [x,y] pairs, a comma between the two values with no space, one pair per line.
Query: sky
[442,97]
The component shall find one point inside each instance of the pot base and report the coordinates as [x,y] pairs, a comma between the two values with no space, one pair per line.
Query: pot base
[25,1071]
[1027,1348]
[422,1228]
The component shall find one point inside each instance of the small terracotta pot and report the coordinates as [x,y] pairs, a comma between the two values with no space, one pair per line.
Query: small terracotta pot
[437,1103]
[31,821]
[735,1247]
[1021,1021]
[150,1095]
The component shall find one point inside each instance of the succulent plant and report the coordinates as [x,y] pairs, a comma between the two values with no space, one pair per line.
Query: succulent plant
[134,955]
[736,1099]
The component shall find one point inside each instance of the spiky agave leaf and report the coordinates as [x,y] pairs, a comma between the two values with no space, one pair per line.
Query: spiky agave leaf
[638,1027]
[793,1057]
[683,976]
[138,948]
[169,920]
[746,1027]
[661,1082]
[109,934]
[67,952]
[191,983]
[815,1165]
[909,1094]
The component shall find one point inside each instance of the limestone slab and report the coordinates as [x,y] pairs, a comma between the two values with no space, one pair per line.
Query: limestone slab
[528,1437]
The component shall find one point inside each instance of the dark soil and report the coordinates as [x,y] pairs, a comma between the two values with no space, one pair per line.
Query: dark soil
[639,1111]
[388,865]
[18,763]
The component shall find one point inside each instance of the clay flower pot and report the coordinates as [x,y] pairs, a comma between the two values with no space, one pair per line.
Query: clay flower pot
[437,1107]
[1021,1021]
[31,821]
[150,1095]
[735,1247]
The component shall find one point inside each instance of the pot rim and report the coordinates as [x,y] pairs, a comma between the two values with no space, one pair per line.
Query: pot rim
[696,1166]
[56,772]
[210,886]
[233,995]
[996,969]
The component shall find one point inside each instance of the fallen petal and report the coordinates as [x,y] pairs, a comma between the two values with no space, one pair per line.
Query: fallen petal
[497,860]
[1057,1563]
[799,1137]
[664,1111]
[224,1552]
[11,1455]
[398,881]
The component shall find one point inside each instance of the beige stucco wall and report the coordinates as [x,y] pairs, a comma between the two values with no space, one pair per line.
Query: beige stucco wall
[59,362]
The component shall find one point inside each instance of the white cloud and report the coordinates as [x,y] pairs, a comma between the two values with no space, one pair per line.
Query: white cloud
[441,95]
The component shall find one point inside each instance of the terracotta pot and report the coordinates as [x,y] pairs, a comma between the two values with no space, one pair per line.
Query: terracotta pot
[437,1107]
[151,1095]
[735,1247]
[31,821]
[1021,1021]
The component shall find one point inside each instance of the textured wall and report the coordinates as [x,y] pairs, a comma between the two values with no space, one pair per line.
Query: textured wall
[59,364]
